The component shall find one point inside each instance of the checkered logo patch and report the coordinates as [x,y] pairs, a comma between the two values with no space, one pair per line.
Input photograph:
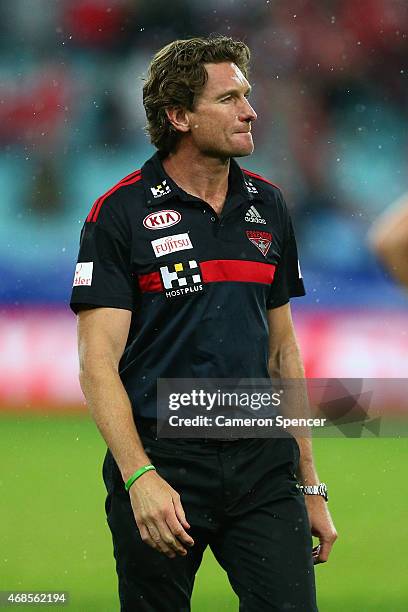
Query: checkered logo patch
[250,186]
[160,190]
[182,278]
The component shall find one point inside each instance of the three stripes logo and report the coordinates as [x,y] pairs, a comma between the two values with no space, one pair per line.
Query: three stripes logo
[253,216]
[134,177]
[181,278]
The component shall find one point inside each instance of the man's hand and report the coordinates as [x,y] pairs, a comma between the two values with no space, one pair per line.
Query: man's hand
[159,515]
[321,526]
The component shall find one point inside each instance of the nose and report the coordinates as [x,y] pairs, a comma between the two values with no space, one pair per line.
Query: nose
[247,113]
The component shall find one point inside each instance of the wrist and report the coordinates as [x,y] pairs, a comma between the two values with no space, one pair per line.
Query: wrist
[138,474]
[130,468]
[307,474]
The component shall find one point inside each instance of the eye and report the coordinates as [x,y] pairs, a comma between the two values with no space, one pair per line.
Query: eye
[226,99]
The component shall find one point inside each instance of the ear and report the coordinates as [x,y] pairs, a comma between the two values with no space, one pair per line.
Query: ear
[179,119]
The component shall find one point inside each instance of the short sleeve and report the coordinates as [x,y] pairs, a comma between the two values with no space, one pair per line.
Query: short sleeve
[103,274]
[287,281]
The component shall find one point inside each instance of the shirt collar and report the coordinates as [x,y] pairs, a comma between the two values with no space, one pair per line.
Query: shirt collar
[159,187]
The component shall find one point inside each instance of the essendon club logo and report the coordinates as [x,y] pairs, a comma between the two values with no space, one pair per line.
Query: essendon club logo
[262,240]
[161,219]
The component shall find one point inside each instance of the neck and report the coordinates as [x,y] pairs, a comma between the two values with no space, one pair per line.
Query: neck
[202,176]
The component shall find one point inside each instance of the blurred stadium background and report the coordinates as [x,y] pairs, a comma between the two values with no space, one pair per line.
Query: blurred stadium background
[330,89]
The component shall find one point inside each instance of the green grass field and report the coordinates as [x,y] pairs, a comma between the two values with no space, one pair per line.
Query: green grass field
[53,534]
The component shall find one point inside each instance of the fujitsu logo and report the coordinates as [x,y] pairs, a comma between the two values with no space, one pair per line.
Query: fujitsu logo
[162,219]
[170,244]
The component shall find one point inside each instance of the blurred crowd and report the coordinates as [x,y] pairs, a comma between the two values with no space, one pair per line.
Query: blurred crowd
[329,86]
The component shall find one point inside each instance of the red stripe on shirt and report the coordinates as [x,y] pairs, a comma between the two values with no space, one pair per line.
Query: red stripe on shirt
[237,270]
[219,270]
[127,180]
[150,282]
[261,178]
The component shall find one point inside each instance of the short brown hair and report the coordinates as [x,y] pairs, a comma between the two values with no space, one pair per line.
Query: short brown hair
[177,75]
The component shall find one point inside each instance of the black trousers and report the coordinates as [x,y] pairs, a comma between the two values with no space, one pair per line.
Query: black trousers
[241,499]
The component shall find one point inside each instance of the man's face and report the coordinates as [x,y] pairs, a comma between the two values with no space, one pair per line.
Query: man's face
[221,121]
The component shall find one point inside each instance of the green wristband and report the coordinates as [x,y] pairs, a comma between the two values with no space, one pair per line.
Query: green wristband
[138,474]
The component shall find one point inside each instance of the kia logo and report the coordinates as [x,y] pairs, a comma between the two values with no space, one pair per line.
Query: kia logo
[162,219]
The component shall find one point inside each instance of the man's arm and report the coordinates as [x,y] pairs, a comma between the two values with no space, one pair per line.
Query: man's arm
[102,335]
[285,362]
[389,239]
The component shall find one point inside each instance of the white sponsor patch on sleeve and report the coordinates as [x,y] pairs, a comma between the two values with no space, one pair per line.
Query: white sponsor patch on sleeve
[83,274]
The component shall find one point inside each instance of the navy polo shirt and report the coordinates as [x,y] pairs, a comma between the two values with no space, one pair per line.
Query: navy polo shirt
[198,285]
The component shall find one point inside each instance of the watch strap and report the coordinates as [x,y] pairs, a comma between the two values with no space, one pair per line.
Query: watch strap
[320,489]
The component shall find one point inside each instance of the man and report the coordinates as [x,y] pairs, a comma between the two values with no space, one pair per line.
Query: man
[389,239]
[185,271]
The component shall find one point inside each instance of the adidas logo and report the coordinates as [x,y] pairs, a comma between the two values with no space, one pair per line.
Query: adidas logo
[253,216]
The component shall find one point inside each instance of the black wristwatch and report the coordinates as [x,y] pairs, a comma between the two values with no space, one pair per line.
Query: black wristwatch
[320,489]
